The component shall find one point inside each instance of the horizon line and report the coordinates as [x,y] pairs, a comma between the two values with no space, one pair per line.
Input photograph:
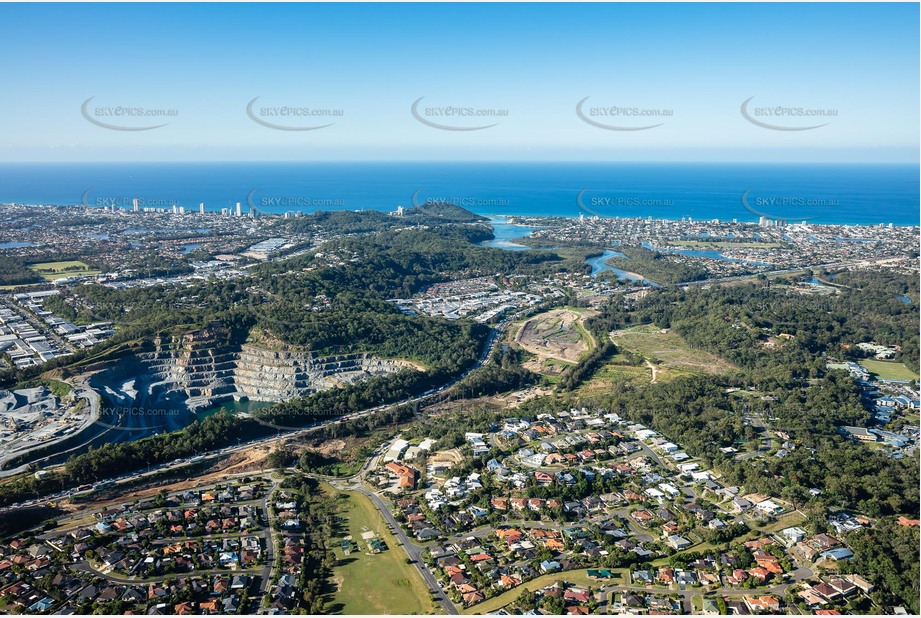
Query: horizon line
[467,161]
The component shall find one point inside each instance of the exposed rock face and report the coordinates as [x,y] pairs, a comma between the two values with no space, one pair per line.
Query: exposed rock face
[200,368]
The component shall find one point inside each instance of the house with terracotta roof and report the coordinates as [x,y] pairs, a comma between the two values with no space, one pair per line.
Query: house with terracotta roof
[737,577]
[641,516]
[510,535]
[577,595]
[209,607]
[407,475]
[772,566]
[500,504]
[666,575]
[472,598]
[760,572]
[762,604]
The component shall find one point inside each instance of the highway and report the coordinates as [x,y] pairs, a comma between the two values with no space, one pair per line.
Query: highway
[428,397]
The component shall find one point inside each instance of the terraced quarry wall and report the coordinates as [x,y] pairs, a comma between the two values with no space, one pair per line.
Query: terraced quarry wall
[202,369]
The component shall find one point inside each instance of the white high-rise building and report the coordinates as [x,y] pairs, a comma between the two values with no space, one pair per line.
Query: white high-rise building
[239,212]
[135,204]
[201,208]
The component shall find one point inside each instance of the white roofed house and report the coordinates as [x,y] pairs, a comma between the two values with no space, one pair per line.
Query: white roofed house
[792,535]
[669,489]
[769,507]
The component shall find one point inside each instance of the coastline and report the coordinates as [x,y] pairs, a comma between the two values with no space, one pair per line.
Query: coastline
[831,194]
[535,224]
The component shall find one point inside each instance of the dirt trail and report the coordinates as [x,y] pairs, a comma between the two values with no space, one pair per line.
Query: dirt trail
[655,371]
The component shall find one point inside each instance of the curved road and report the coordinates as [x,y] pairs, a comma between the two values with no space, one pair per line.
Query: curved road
[485,356]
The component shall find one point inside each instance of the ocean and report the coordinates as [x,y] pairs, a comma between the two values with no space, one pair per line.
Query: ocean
[853,194]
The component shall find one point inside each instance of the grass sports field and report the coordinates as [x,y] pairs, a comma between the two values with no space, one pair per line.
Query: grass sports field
[57,270]
[889,370]
[373,583]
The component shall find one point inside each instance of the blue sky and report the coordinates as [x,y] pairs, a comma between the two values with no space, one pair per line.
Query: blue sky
[693,65]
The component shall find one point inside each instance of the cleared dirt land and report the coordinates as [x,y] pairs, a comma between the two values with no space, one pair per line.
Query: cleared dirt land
[669,351]
[251,460]
[557,339]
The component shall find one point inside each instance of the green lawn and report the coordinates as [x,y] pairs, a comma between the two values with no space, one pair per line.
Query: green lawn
[373,584]
[578,577]
[699,547]
[791,518]
[697,602]
[889,370]
[57,270]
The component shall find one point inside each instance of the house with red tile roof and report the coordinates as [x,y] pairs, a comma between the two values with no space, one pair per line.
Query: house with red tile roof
[406,474]
[762,604]
[500,504]
[760,573]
